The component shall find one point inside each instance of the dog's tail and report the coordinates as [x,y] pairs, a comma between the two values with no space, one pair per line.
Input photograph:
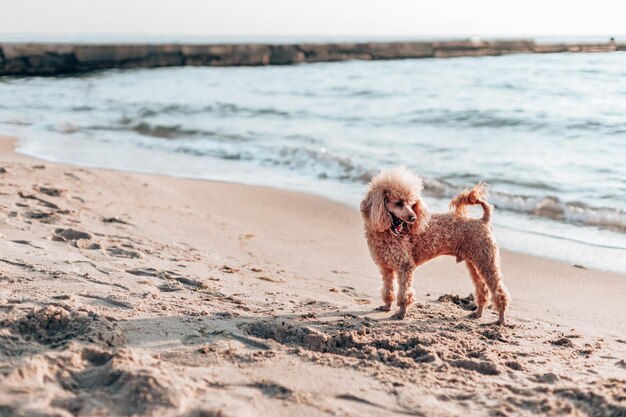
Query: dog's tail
[477,195]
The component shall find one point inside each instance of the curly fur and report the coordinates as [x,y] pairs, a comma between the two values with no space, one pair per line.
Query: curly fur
[402,234]
[399,180]
[477,195]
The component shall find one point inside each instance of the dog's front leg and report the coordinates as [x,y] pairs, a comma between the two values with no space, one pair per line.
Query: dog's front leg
[406,295]
[387,291]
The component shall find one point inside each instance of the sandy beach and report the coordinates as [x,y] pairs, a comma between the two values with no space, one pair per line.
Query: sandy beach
[130,294]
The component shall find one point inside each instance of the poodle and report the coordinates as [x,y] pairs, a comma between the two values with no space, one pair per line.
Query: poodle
[402,234]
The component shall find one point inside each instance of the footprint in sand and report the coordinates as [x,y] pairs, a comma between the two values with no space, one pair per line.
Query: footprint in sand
[69,235]
[547,378]
[75,237]
[359,298]
[144,272]
[43,216]
[69,174]
[55,326]
[173,279]
[27,243]
[114,220]
[50,191]
[123,253]
[111,299]
[41,201]
[562,341]
[496,335]
[228,269]
[272,390]
[270,279]
[466,303]
[170,287]
[484,367]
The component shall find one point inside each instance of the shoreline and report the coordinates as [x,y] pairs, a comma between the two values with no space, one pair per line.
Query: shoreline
[8,152]
[261,300]
[39,59]
[561,241]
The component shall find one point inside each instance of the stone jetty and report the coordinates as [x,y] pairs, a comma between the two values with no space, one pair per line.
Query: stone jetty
[34,59]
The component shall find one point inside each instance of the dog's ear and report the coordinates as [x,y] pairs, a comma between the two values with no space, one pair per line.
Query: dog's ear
[374,211]
[423,217]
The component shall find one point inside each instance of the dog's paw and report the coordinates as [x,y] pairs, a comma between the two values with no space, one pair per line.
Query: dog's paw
[399,315]
[501,320]
[384,307]
[475,314]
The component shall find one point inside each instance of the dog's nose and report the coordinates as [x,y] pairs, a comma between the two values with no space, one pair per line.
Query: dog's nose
[412,218]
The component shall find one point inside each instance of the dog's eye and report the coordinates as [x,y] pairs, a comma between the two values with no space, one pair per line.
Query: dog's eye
[399,203]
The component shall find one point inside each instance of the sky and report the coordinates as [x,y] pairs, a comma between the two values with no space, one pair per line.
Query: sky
[384,18]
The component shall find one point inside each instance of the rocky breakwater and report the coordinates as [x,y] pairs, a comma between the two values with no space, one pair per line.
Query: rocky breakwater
[27,59]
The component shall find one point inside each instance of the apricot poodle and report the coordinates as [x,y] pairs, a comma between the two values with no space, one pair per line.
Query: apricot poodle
[402,234]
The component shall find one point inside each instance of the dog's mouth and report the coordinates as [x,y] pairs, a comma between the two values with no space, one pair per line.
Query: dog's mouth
[397,224]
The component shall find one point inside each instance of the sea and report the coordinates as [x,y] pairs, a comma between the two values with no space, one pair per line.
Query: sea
[546,131]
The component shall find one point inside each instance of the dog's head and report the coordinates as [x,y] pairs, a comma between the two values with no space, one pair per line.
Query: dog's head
[393,203]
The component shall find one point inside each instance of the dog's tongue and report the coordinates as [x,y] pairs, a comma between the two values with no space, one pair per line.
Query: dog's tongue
[398,228]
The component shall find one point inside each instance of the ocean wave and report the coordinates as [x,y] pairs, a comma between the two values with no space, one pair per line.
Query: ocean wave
[219,152]
[549,207]
[17,122]
[164,131]
[308,159]
[158,131]
[597,126]
[235,109]
[324,165]
[570,212]
[320,163]
[492,114]
[528,184]
[471,118]
[537,185]
[219,108]
[345,91]
[82,108]
[513,120]
[496,119]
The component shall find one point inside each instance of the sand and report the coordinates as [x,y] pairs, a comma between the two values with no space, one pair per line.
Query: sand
[128,294]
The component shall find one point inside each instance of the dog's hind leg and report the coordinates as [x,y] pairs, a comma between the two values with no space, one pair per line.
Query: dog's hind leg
[482,292]
[406,295]
[387,291]
[490,271]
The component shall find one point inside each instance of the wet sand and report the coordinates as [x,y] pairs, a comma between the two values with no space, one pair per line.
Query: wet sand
[130,294]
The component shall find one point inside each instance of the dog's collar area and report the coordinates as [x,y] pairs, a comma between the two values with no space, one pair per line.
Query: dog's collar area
[397,224]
